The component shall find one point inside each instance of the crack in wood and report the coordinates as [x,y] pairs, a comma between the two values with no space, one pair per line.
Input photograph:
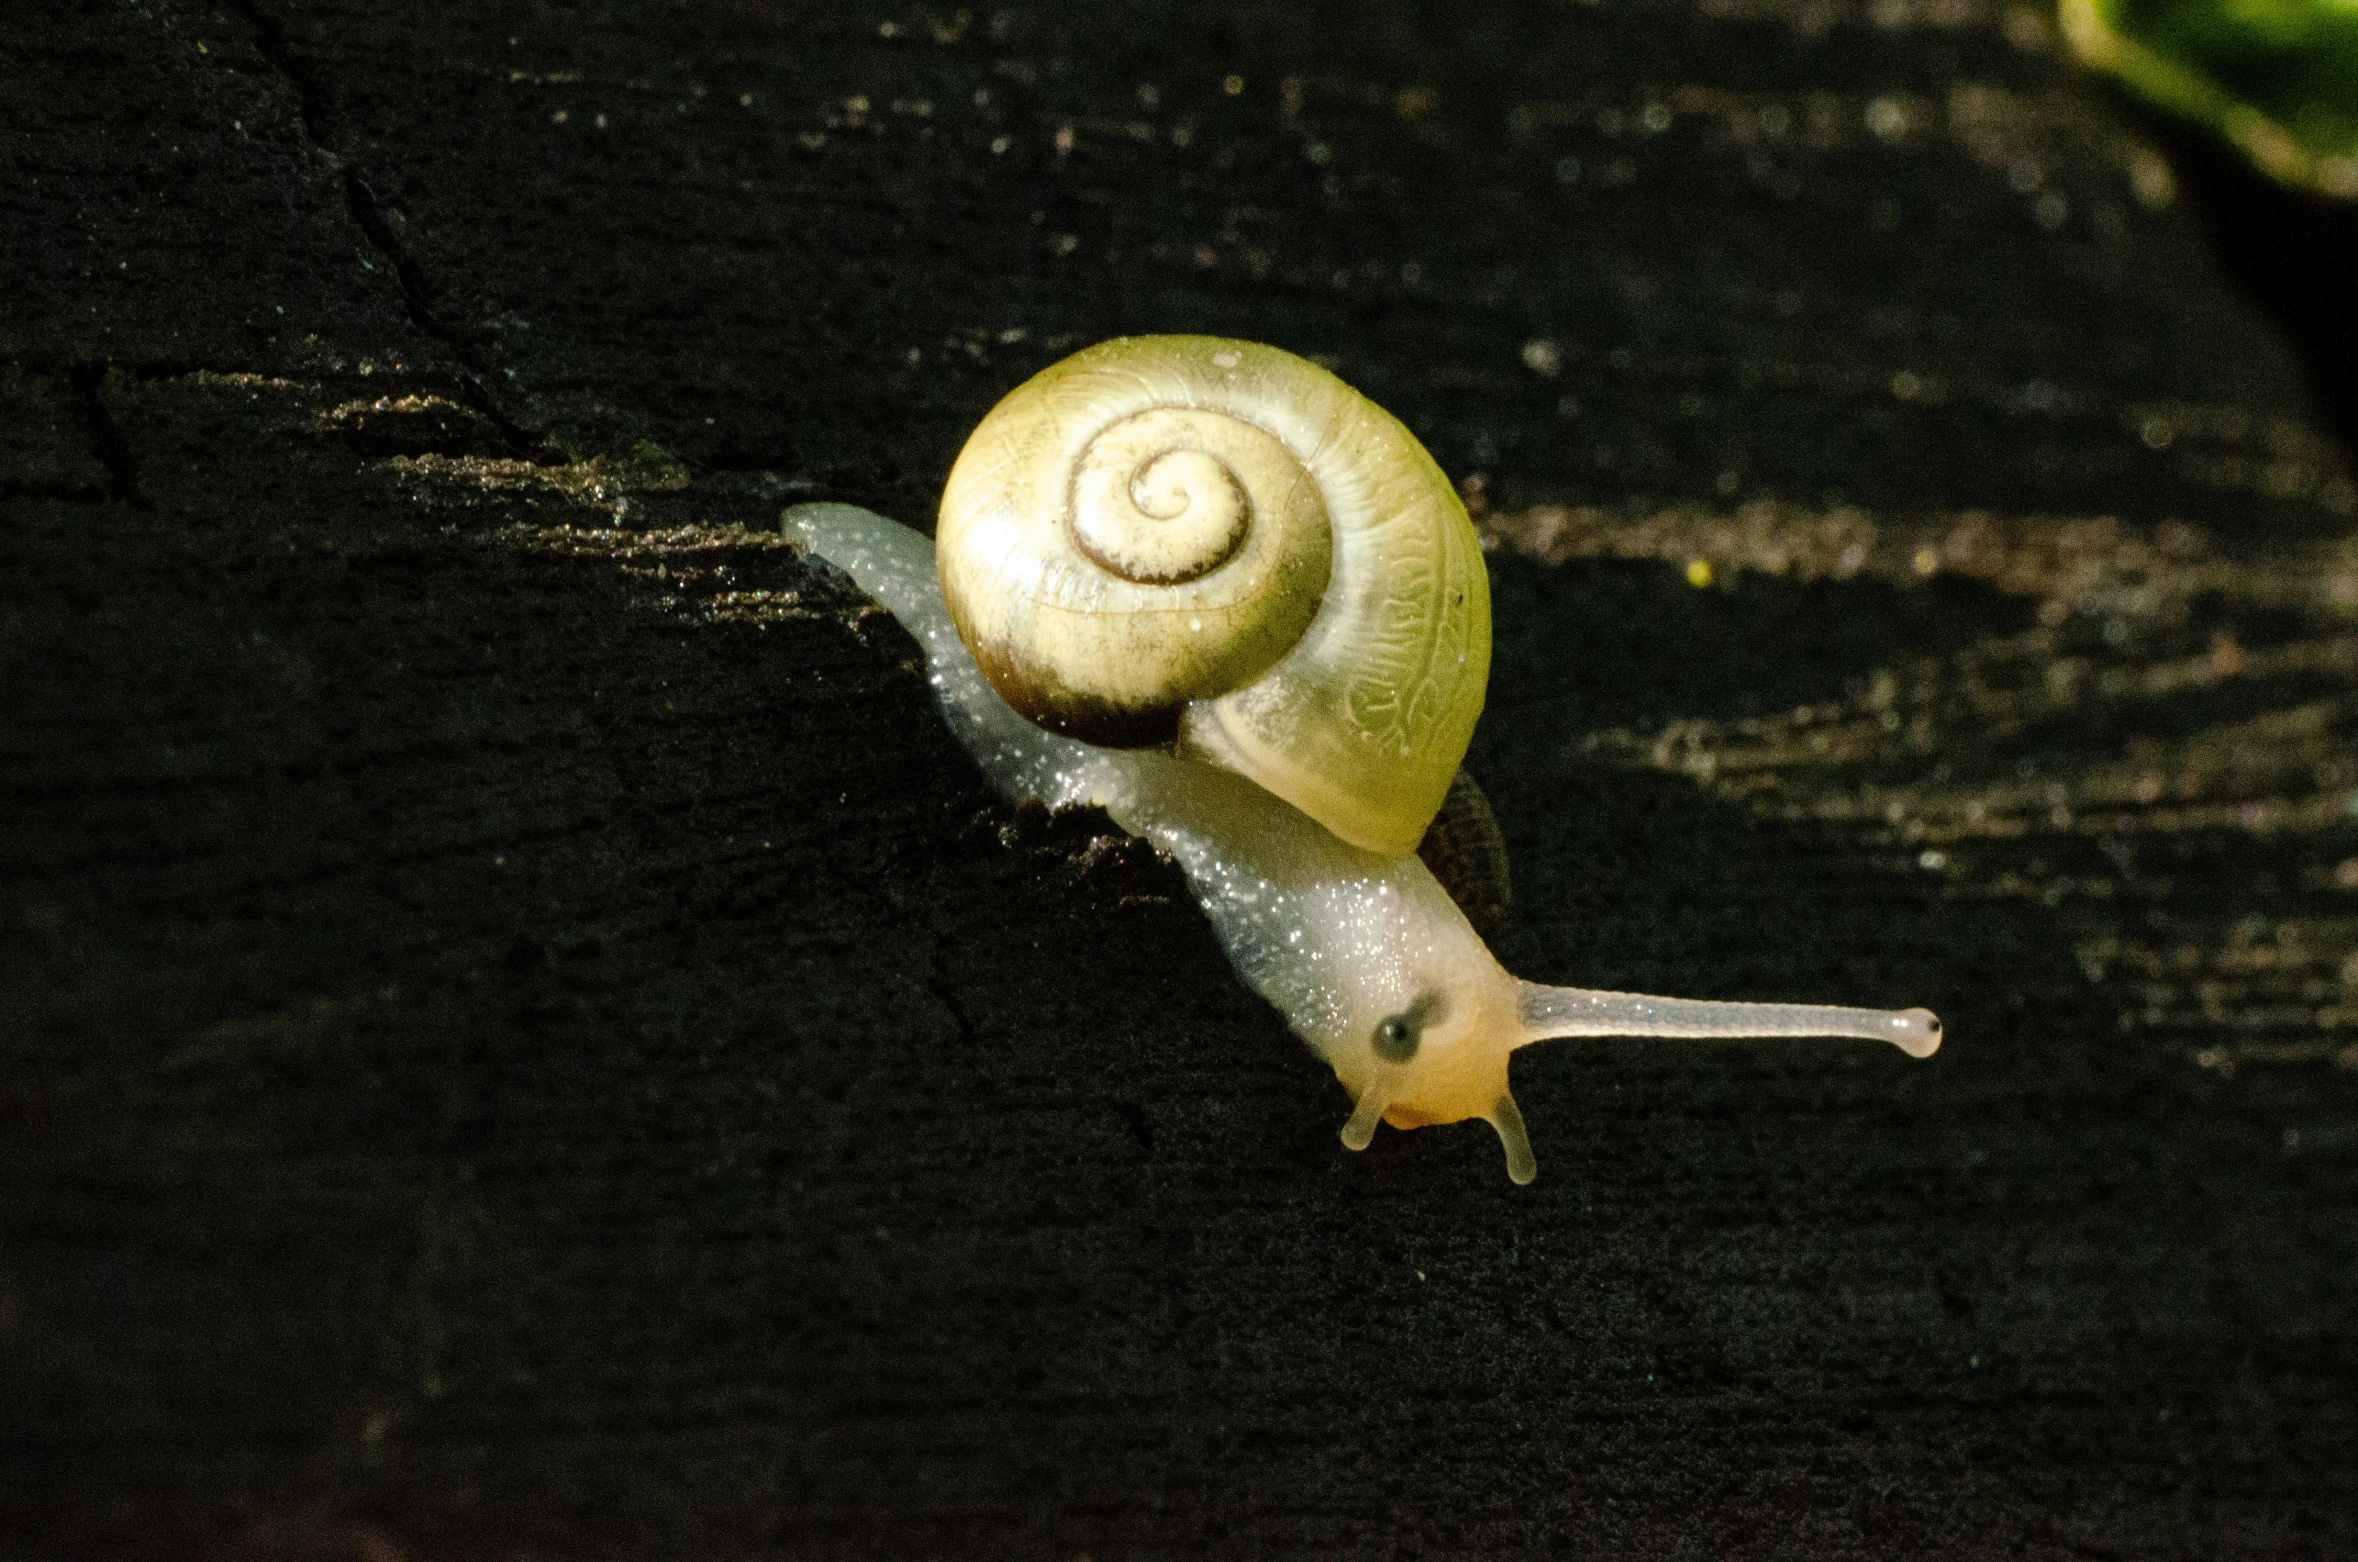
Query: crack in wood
[369,215]
[86,385]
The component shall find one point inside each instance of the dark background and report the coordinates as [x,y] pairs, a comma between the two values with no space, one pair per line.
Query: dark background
[2288,251]
[520,1034]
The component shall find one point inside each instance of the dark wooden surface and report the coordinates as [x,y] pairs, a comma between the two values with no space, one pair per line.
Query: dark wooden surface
[521,1035]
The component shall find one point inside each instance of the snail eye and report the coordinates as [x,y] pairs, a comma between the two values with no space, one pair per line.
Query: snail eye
[1398,1036]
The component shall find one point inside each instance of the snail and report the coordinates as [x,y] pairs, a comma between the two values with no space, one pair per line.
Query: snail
[1122,612]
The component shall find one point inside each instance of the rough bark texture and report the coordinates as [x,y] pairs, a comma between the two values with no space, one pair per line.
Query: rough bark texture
[520,1033]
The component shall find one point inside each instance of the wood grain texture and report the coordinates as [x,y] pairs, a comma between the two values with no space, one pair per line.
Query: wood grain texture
[520,1032]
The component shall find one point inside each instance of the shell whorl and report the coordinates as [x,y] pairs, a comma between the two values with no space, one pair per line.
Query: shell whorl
[1192,538]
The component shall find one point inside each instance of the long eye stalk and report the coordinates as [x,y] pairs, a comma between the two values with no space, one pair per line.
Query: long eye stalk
[1548,1012]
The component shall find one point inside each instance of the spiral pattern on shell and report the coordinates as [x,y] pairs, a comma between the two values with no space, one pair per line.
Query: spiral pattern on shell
[1216,542]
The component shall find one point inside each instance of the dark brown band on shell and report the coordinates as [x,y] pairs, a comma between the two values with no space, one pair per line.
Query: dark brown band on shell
[1069,715]
[1464,850]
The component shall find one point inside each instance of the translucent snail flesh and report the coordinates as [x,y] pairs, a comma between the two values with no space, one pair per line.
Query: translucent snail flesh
[1356,944]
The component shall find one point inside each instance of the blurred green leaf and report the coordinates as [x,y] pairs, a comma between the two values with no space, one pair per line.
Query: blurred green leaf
[2279,78]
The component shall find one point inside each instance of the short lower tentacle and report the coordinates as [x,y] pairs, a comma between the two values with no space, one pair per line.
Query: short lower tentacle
[1359,1132]
[1507,1118]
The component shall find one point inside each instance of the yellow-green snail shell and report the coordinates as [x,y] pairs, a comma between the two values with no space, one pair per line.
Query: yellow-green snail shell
[1220,545]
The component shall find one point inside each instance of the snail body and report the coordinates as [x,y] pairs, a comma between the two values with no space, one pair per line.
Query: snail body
[1294,792]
